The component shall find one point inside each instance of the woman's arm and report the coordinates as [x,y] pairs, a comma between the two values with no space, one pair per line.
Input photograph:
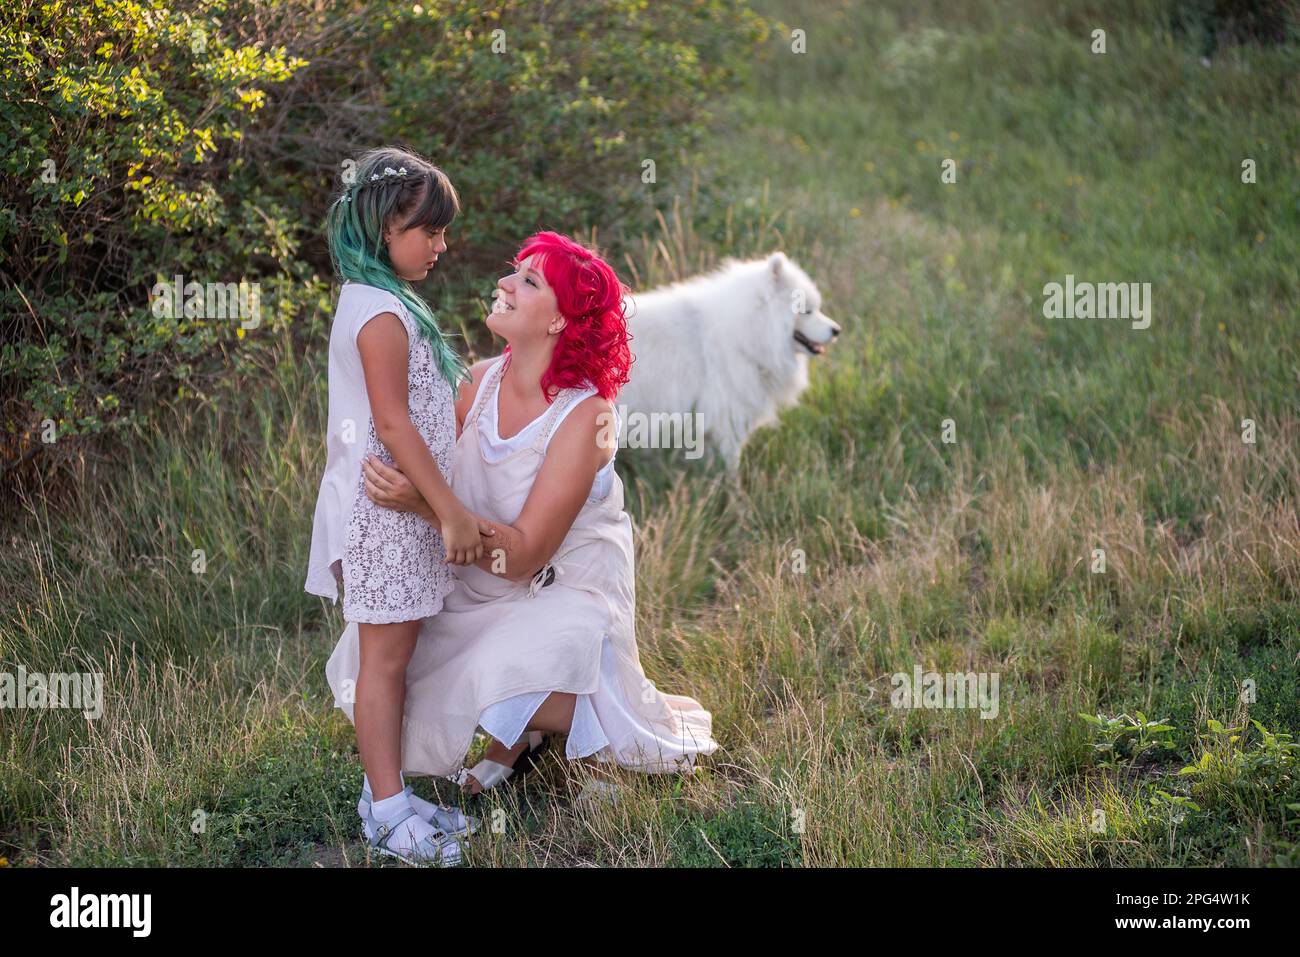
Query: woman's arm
[563,483]
[384,349]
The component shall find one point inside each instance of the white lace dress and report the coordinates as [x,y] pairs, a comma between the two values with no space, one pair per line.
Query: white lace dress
[394,563]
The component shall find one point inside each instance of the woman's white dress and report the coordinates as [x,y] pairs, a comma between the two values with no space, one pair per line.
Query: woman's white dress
[498,647]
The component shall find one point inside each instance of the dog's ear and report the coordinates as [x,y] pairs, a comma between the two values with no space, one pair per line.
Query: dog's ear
[776,264]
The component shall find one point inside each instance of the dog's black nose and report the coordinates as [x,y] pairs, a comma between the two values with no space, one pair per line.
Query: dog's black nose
[834,332]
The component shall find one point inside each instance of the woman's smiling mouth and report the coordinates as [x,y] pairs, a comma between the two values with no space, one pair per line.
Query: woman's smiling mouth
[500,305]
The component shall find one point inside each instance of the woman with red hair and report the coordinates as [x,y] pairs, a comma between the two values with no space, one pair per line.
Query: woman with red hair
[539,634]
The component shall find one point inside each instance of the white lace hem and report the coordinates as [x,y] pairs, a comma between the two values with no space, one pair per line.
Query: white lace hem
[387,617]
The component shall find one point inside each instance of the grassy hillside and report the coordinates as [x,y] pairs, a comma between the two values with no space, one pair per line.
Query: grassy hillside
[1071,435]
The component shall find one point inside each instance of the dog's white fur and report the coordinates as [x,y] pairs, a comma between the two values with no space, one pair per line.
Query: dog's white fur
[722,344]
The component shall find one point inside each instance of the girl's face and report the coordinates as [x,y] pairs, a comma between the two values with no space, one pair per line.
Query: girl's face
[414,250]
[525,309]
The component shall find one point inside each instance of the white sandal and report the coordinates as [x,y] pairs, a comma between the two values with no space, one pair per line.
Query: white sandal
[452,820]
[437,847]
[489,774]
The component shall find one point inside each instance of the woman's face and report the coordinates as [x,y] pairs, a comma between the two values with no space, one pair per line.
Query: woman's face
[525,307]
[413,251]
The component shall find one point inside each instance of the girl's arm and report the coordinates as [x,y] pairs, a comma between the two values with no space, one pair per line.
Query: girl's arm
[389,488]
[563,483]
[384,346]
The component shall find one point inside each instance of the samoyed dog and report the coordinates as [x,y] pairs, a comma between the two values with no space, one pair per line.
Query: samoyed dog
[731,346]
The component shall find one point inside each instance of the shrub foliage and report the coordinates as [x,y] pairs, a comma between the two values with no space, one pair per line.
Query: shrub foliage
[148,139]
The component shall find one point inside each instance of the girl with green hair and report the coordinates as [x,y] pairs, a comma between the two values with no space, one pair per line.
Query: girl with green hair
[393,378]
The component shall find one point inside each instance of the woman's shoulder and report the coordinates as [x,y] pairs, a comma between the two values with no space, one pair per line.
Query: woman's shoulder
[592,406]
[592,415]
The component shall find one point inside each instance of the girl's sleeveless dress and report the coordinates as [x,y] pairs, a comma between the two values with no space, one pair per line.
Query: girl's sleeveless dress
[498,647]
[394,563]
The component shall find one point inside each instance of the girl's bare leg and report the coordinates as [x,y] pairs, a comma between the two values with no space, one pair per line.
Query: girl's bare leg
[381,701]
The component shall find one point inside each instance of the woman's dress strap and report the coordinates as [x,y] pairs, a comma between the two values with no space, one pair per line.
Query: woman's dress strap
[486,388]
[560,408]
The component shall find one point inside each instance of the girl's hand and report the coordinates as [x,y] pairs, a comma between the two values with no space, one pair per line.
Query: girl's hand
[460,536]
[389,488]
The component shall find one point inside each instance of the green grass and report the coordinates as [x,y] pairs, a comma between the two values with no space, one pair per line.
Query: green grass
[1071,435]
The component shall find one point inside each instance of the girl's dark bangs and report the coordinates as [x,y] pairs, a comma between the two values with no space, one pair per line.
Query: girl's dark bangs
[437,206]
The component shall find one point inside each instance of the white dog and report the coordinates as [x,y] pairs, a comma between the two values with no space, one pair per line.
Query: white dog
[731,345]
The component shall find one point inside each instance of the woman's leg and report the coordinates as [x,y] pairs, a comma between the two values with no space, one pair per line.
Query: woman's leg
[381,700]
[553,714]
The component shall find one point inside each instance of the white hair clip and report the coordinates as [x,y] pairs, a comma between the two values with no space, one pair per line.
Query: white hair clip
[374,177]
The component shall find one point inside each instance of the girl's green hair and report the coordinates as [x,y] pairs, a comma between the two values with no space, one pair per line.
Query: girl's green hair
[413,192]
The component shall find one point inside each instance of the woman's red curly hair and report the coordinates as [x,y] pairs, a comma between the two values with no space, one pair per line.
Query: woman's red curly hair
[592,349]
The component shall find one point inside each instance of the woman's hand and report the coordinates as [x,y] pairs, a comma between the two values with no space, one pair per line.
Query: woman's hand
[389,488]
[463,535]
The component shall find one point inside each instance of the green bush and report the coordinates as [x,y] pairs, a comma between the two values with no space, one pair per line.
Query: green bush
[150,139]
[118,115]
